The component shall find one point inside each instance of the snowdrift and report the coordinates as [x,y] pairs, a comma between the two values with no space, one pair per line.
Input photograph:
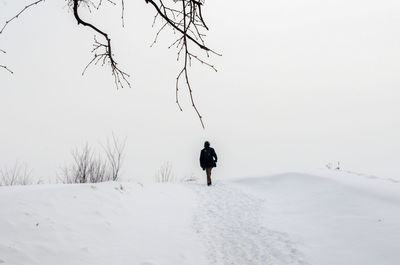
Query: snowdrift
[334,217]
[323,217]
[107,223]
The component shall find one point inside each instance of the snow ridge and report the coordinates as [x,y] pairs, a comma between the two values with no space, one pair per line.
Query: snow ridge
[228,221]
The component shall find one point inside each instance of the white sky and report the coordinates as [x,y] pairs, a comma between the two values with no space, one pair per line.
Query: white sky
[300,84]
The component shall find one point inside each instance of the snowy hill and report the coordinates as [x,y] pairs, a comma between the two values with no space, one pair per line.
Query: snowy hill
[322,218]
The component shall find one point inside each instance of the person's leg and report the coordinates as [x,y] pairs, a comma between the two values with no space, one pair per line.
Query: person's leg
[208,172]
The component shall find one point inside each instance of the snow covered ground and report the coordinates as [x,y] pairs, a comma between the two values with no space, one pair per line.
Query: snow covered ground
[323,217]
[333,218]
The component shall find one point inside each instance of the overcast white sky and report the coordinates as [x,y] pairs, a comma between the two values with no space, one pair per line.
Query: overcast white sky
[300,84]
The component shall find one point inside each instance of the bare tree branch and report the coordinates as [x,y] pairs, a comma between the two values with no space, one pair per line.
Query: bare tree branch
[123,13]
[102,51]
[19,13]
[9,21]
[182,16]
[6,68]
[187,19]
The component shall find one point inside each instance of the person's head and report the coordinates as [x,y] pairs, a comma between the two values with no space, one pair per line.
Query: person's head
[206,144]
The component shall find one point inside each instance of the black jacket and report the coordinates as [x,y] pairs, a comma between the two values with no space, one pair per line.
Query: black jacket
[212,158]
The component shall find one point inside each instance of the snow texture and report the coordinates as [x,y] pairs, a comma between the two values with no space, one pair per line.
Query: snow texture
[322,218]
[229,223]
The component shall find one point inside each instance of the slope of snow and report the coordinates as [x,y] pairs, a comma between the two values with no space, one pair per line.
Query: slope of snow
[317,218]
[106,223]
[335,219]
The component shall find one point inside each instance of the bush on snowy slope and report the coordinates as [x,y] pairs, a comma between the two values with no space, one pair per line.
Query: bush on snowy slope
[89,166]
[332,166]
[165,174]
[18,174]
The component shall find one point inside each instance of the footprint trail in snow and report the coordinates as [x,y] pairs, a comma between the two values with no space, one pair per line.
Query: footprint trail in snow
[228,220]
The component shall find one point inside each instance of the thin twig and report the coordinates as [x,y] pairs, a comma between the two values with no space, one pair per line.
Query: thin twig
[19,13]
[189,22]
[123,13]
[6,68]
[120,77]
[9,21]
[175,26]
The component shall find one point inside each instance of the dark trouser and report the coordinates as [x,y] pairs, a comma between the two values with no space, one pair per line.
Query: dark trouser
[208,172]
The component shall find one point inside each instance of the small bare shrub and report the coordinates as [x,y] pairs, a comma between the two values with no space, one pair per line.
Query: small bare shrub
[164,174]
[18,174]
[91,167]
[333,167]
[115,154]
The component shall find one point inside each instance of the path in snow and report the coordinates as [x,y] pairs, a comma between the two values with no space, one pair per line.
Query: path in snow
[228,220]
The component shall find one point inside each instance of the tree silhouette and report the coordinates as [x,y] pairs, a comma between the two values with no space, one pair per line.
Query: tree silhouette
[183,16]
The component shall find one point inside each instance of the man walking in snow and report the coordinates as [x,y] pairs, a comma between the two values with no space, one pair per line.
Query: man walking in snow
[208,160]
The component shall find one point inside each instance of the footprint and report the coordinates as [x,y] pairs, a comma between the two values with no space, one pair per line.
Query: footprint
[85,249]
[393,180]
